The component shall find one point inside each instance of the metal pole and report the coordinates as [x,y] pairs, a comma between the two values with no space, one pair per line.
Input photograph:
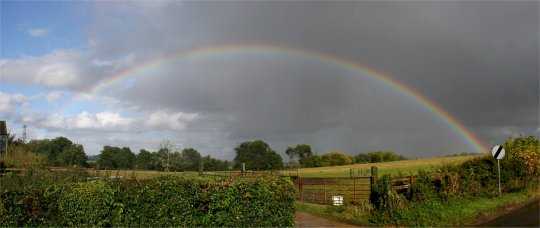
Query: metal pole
[499,168]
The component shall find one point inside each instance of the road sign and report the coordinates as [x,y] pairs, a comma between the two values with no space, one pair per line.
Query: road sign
[497,152]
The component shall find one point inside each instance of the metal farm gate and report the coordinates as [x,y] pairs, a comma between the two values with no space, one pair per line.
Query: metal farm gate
[321,190]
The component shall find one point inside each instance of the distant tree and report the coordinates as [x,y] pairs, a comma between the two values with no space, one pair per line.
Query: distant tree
[107,157]
[213,164]
[257,155]
[59,151]
[166,157]
[312,161]
[116,158]
[336,158]
[300,151]
[191,159]
[145,160]
[378,156]
[176,162]
[125,158]
[362,158]
[73,155]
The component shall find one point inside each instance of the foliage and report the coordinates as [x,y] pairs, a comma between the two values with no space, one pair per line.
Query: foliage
[383,197]
[313,161]
[147,160]
[257,155]
[336,158]
[302,151]
[18,157]
[525,148]
[73,155]
[191,158]
[213,164]
[357,214]
[59,151]
[116,158]
[432,191]
[378,156]
[163,202]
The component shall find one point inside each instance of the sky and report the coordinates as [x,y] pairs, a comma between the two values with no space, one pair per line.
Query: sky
[421,78]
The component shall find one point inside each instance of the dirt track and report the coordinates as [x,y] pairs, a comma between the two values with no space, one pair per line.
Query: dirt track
[304,219]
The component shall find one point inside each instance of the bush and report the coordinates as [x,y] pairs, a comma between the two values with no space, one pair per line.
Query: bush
[163,201]
[527,149]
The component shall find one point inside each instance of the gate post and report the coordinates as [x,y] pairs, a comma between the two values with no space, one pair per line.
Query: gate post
[373,176]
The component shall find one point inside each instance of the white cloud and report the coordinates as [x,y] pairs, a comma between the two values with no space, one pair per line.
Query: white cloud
[56,75]
[38,32]
[102,121]
[116,122]
[60,68]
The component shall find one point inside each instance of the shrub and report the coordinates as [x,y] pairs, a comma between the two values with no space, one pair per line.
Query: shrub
[163,201]
[525,148]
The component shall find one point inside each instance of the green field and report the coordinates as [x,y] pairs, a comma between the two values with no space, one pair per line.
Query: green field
[405,166]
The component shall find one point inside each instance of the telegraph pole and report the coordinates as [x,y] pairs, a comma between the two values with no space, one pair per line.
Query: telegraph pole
[24,133]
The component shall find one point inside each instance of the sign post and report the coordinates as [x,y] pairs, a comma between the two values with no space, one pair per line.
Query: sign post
[498,153]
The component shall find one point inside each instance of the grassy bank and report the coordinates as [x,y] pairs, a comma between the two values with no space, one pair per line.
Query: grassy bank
[456,212]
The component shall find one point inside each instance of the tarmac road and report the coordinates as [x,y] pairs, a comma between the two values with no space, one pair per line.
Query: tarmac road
[526,216]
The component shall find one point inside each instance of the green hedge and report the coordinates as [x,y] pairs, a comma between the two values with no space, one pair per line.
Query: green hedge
[164,201]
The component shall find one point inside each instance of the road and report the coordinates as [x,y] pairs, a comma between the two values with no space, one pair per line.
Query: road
[526,216]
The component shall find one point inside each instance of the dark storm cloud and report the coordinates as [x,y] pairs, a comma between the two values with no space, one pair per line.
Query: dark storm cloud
[477,60]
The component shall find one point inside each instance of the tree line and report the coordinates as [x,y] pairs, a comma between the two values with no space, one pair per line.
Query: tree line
[165,159]
[255,155]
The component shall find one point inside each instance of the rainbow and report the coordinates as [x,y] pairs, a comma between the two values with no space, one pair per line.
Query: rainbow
[210,51]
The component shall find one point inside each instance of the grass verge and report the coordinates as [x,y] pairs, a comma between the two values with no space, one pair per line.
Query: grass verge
[455,212]
[356,215]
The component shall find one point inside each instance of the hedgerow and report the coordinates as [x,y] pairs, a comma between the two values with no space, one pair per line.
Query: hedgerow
[163,201]
[476,178]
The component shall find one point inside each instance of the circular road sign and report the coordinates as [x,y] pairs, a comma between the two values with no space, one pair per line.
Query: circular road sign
[497,152]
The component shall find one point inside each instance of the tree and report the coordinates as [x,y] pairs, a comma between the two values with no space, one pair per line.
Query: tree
[257,155]
[191,158]
[302,151]
[362,158]
[213,164]
[116,158]
[336,158]
[125,158]
[145,160]
[73,155]
[168,157]
[59,151]
[312,161]
[378,156]
[107,157]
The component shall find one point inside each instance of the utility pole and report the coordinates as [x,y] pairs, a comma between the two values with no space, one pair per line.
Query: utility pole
[24,133]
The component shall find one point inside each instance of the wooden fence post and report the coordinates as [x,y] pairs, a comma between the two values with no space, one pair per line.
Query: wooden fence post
[201,167]
[324,188]
[374,175]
